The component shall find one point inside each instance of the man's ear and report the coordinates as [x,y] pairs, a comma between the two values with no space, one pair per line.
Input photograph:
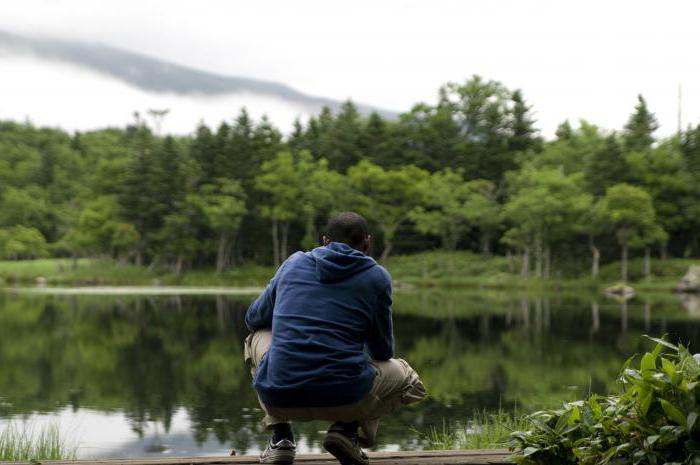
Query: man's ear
[368,243]
[324,240]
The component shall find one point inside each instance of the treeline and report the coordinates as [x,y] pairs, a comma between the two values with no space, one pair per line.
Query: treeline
[468,172]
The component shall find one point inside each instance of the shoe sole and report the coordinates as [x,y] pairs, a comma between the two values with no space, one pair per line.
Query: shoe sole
[281,457]
[342,449]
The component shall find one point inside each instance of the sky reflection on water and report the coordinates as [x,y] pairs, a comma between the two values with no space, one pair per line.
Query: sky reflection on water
[130,376]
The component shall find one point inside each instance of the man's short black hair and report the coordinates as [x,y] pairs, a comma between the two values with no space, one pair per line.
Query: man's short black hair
[348,227]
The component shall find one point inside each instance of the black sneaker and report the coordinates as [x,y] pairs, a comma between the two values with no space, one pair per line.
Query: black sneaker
[343,446]
[281,452]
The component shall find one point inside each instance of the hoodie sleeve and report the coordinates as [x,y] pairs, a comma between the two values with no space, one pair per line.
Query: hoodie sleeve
[381,336]
[259,314]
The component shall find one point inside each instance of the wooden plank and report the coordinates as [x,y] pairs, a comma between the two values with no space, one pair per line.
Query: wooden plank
[446,457]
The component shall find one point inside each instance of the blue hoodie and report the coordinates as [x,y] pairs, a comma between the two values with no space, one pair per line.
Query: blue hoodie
[323,306]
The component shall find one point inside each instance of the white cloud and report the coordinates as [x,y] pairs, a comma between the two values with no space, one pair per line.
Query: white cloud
[572,59]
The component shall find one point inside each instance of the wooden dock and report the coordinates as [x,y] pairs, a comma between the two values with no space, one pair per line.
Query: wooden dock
[443,457]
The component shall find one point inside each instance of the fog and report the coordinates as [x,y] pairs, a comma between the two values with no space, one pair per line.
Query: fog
[60,95]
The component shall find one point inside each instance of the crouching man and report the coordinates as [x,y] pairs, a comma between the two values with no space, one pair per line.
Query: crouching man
[322,344]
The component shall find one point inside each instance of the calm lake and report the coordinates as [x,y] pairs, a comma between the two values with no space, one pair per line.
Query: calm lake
[129,376]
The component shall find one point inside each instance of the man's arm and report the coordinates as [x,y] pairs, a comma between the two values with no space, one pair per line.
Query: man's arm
[259,314]
[381,337]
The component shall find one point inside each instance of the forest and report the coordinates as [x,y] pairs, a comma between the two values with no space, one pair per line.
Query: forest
[468,172]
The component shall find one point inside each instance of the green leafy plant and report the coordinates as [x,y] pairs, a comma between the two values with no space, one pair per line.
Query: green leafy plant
[653,421]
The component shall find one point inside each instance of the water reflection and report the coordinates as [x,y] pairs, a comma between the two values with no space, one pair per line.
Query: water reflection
[170,366]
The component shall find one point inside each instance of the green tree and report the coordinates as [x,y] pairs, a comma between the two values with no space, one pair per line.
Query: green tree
[427,137]
[346,138]
[224,206]
[443,211]
[138,196]
[387,196]
[294,186]
[27,207]
[100,231]
[483,210]
[664,174]
[490,132]
[543,208]
[523,133]
[690,146]
[20,242]
[631,216]
[638,135]
[451,207]
[179,235]
[564,131]
[593,224]
[606,166]
[572,153]
[324,192]
[205,151]
[375,138]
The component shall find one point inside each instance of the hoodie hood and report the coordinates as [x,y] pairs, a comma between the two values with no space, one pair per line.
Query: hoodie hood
[338,261]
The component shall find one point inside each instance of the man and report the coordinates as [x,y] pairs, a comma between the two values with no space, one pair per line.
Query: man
[309,330]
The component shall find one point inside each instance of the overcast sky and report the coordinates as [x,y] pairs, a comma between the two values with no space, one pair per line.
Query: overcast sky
[572,59]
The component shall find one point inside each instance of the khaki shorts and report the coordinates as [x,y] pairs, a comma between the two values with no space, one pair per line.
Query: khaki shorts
[395,384]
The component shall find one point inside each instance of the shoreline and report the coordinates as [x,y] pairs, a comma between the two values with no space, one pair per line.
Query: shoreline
[134,290]
[427,270]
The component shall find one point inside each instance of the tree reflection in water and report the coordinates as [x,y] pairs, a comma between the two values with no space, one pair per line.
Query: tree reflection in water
[151,357]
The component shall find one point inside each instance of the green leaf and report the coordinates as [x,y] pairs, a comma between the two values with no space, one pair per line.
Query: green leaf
[668,367]
[575,415]
[662,342]
[645,403]
[691,420]
[648,362]
[673,413]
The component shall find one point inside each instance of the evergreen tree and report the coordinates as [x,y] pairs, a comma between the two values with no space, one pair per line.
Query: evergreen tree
[374,139]
[296,140]
[239,151]
[564,131]
[606,167]
[427,137]
[522,125]
[266,143]
[345,139]
[638,135]
[203,150]
[690,147]
[223,155]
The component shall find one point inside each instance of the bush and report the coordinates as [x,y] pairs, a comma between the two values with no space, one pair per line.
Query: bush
[654,420]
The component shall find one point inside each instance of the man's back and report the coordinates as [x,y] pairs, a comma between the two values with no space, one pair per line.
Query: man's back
[323,307]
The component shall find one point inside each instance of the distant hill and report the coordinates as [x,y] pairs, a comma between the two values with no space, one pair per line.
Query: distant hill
[155,75]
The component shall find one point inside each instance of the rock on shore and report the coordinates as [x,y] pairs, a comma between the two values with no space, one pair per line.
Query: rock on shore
[690,281]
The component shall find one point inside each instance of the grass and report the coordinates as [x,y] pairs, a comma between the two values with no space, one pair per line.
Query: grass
[90,272]
[484,431]
[469,270]
[439,269]
[24,444]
